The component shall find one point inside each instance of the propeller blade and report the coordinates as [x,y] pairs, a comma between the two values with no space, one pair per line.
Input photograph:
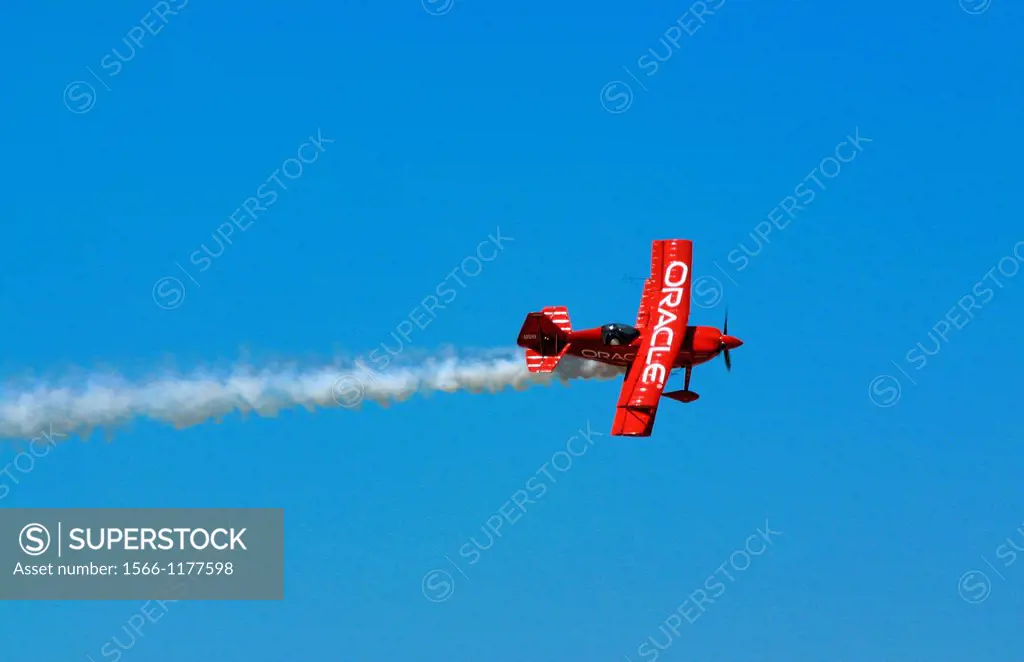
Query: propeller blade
[725,350]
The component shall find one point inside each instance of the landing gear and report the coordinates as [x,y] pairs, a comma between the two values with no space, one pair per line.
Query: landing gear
[686,395]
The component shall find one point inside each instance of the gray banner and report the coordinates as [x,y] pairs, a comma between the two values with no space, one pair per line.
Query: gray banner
[141,554]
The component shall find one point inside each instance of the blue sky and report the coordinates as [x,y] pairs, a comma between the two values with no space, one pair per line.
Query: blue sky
[448,127]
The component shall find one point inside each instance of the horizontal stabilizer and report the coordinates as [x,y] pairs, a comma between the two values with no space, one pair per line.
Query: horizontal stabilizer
[538,363]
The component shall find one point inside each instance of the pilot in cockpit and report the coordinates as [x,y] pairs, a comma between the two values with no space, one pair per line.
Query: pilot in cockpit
[618,334]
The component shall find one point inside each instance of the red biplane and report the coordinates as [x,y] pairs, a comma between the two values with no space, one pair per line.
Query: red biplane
[660,342]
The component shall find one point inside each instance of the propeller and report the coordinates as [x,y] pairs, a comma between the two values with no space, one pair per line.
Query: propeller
[728,342]
[725,348]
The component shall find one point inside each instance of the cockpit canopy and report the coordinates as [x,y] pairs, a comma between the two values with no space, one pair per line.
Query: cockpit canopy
[618,334]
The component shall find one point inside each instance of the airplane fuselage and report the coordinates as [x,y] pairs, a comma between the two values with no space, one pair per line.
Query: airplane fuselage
[700,345]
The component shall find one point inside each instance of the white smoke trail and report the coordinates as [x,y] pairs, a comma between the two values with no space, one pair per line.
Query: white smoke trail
[109,400]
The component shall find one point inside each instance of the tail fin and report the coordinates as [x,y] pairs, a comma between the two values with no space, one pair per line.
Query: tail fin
[545,335]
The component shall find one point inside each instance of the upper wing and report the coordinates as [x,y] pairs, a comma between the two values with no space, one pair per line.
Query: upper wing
[664,313]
